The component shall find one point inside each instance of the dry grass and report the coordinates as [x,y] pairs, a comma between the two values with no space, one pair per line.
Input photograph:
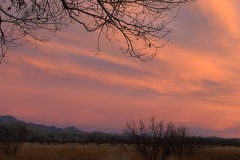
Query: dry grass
[214,153]
[106,152]
[71,152]
[222,153]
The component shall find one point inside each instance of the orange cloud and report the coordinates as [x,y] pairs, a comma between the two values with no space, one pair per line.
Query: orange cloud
[224,14]
[193,80]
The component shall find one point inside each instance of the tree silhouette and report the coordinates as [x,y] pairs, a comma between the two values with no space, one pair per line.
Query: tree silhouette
[160,140]
[141,23]
[12,136]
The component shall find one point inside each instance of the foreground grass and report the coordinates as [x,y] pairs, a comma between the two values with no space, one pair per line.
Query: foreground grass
[71,152]
[106,152]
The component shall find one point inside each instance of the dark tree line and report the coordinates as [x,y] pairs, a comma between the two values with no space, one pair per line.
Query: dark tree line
[141,23]
[153,140]
[77,138]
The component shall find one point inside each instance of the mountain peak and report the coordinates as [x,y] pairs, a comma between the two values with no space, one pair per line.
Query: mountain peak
[72,129]
[5,119]
[8,119]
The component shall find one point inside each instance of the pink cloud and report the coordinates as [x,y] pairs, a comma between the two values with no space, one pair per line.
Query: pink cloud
[194,79]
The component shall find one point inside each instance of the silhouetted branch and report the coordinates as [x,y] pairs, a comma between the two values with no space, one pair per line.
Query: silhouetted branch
[141,23]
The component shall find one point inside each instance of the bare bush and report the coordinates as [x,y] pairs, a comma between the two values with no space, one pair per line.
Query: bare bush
[12,138]
[157,140]
[178,141]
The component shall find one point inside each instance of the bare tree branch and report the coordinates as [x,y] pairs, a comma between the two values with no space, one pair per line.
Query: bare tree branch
[143,24]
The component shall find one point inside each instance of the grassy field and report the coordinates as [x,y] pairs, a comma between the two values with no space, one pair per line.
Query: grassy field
[107,152]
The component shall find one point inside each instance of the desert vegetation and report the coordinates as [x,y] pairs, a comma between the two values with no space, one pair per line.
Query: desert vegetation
[141,140]
[157,139]
[12,137]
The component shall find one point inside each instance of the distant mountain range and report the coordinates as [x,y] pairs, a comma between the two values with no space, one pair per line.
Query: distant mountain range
[40,127]
[39,133]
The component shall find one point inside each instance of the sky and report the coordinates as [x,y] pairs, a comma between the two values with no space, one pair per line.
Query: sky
[194,80]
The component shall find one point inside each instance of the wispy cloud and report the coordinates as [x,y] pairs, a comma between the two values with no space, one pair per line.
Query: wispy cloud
[194,79]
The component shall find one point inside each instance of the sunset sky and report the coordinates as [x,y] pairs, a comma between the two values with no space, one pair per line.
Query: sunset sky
[194,80]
